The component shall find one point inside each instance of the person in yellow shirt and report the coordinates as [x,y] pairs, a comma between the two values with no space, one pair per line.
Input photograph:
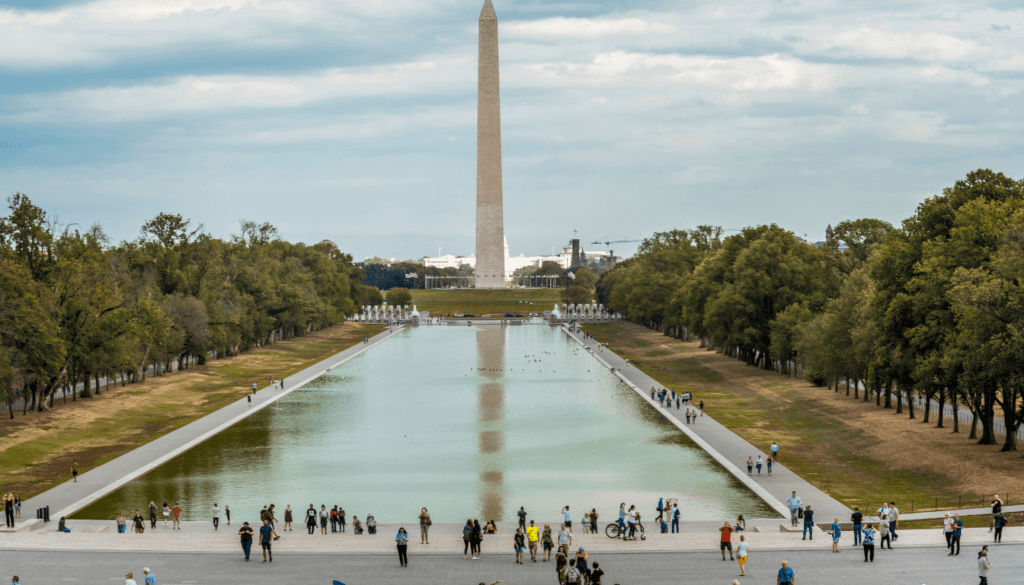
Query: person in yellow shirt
[532,536]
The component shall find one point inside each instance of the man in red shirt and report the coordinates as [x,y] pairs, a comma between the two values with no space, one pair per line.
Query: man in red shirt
[176,510]
[726,531]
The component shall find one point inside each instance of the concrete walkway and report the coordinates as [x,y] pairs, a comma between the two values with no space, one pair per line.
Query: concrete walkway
[70,496]
[725,446]
[902,566]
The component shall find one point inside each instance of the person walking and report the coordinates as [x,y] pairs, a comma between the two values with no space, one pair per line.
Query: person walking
[74,470]
[522,517]
[775,451]
[894,518]
[1000,520]
[769,467]
[593,520]
[758,464]
[152,515]
[17,505]
[947,530]
[808,522]
[9,509]
[138,523]
[402,543]
[869,543]
[176,511]
[519,544]
[265,535]
[675,518]
[741,555]
[547,543]
[532,536]
[857,518]
[254,388]
[215,511]
[983,565]
[750,466]
[245,532]
[997,507]
[836,532]
[128,580]
[477,538]
[786,576]
[311,519]
[726,540]
[341,518]
[424,526]
[323,519]
[660,509]
[150,577]
[794,508]
[702,408]
[568,517]
[288,517]
[564,540]
[122,522]
[958,525]
[167,514]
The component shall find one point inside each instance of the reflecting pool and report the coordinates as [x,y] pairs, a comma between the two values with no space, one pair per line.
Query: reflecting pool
[467,421]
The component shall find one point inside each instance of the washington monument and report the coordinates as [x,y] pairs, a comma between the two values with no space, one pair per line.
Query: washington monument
[490,224]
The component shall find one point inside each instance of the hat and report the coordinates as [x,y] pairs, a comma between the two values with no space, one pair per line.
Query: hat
[581,548]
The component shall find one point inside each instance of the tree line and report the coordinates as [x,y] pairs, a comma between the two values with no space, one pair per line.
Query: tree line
[933,308]
[75,307]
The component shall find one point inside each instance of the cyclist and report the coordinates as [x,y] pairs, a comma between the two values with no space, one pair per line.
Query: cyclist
[622,519]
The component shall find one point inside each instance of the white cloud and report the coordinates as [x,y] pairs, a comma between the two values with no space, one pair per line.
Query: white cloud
[585,27]
[876,43]
[742,74]
[231,92]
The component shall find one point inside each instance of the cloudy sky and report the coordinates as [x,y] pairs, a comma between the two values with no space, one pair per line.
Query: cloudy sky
[354,120]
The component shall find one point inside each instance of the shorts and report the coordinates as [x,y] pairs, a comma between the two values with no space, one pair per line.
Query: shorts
[519,550]
[835,539]
[548,546]
[533,545]
[265,545]
[742,560]
[727,546]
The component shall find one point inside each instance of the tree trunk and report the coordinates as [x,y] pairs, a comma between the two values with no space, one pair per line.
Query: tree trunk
[941,406]
[988,435]
[955,398]
[899,400]
[888,394]
[910,401]
[927,405]
[97,374]
[1010,399]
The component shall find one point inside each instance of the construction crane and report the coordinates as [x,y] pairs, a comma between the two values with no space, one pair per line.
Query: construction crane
[610,242]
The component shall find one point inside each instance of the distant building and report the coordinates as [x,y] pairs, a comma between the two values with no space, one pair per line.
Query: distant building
[450,261]
[564,258]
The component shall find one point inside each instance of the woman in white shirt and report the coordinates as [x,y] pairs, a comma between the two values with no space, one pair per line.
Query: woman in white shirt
[741,555]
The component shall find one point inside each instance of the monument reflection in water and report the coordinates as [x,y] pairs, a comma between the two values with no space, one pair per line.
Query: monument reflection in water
[471,422]
[490,347]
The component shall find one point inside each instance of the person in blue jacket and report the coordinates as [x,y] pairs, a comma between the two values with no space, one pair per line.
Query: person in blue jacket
[836,532]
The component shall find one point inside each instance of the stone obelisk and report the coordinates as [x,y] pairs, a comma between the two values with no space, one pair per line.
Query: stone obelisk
[490,224]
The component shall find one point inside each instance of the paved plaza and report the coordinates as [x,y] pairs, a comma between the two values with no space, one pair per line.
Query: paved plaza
[904,566]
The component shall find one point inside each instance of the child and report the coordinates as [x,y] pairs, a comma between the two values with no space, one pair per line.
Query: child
[836,531]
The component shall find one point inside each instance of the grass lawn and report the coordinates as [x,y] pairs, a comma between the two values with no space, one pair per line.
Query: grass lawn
[37,449]
[486,301]
[860,454]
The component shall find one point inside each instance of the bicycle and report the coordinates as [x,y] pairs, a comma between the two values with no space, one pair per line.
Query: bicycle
[612,530]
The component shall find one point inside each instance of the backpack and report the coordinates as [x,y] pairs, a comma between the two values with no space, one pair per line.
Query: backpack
[572,574]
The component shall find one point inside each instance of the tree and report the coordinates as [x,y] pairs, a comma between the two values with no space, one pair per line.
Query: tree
[585,277]
[577,295]
[398,297]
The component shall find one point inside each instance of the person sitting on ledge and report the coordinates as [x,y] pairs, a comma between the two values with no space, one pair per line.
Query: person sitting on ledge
[62,525]
[491,527]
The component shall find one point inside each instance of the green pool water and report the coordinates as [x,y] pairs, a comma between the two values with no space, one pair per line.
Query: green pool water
[467,421]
